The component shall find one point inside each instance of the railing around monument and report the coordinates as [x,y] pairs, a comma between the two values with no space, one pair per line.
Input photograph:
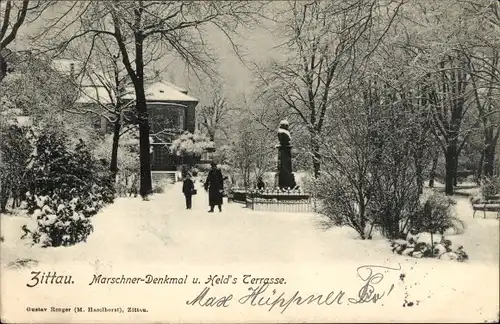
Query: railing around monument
[276,200]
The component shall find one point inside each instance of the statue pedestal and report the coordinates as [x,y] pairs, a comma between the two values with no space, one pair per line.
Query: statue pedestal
[284,176]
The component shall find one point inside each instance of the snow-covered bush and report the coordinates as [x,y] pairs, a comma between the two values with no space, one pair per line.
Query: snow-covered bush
[69,186]
[470,178]
[191,145]
[435,215]
[160,185]
[69,172]
[490,186]
[158,189]
[203,168]
[128,152]
[61,223]
[340,202]
[427,245]
[250,152]
[426,227]
[308,183]
[127,159]
[189,148]
[368,177]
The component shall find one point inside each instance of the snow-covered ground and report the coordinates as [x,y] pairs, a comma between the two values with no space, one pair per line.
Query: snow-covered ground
[134,237]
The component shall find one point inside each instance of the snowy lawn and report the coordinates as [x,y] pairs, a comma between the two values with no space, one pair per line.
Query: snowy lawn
[133,235]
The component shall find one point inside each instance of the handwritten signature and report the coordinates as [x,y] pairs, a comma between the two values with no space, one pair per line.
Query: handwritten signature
[262,295]
[370,277]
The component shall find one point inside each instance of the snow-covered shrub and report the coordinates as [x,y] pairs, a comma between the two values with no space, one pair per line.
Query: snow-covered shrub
[436,215]
[308,183]
[490,186]
[340,202]
[395,194]
[476,198]
[368,177]
[203,168]
[66,171]
[224,153]
[426,245]
[69,186]
[190,145]
[22,263]
[159,187]
[128,153]
[61,223]
[471,178]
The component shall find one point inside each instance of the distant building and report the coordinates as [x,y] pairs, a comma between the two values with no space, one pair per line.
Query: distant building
[171,111]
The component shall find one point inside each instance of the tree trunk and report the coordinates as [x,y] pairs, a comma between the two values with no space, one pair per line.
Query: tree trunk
[432,174]
[489,159]
[419,170]
[455,173]
[114,149]
[480,169]
[142,110]
[451,162]
[362,216]
[144,147]
[316,159]
[14,199]
[4,195]
[145,188]
[3,67]
[245,177]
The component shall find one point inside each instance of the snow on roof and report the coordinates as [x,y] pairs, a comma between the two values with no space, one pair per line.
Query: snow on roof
[164,91]
[184,91]
[159,91]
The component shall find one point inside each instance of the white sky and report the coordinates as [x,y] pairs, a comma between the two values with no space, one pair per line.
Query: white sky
[258,45]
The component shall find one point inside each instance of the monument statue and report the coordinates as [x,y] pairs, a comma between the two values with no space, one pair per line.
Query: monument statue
[284,134]
[285,178]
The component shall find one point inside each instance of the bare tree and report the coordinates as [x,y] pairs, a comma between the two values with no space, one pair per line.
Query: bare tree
[251,150]
[449,104]
[13,14]
[483,56]
[443,76]
[104,71]
[487,101]
[323,40]
[143,27]
[214,116]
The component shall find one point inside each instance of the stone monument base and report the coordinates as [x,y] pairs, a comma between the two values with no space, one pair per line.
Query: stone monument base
[284,180]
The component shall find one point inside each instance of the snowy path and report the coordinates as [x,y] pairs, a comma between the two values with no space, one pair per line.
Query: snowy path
[160,236]
[234,235]
[173,234]
[162,230]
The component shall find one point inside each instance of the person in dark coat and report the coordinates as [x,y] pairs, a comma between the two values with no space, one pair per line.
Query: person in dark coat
[188,189]
[215,187]
[260,184]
